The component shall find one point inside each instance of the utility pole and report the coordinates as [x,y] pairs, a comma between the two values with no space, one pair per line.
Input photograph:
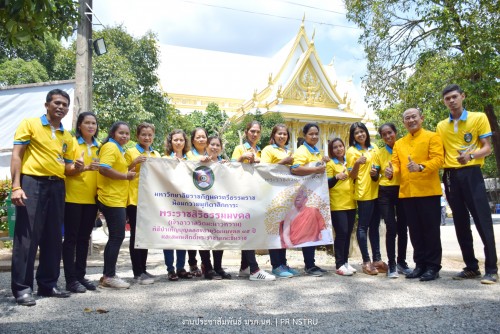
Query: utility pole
[83,74]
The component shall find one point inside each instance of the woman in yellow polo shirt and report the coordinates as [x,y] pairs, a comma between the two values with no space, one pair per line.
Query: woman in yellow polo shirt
[112,195]
[198,152]
[176,147]
[249,152]
[391,209]
[305,154]
[215,272]
[342,205]
[360,164]
[80,209]
[277,152]
[135,156]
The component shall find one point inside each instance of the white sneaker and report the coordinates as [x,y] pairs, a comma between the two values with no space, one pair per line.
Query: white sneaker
[350,268]
[261,275]
[343,271]
[114,282]
[144,279]
[244,272]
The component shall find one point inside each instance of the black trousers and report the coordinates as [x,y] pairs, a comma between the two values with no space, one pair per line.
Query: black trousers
[248,259]
[79,220]
[116,218]
[423,215]
[207,263]
[138,257]
[343,224]
[391,211]
[38,224]
[466,192]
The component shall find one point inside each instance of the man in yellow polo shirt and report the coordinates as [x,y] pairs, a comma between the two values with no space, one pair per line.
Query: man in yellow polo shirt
[466,138]
[40,158]
[417,158]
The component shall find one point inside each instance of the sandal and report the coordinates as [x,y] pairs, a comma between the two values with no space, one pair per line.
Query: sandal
[195,271]
[182,273]
[223,274]
[172,276]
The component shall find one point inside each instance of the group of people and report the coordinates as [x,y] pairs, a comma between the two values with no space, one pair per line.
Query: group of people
[59,179]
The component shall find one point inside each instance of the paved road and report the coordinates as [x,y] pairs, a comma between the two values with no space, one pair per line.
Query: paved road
[329,304]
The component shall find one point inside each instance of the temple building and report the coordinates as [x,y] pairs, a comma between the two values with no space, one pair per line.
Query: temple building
[293,82]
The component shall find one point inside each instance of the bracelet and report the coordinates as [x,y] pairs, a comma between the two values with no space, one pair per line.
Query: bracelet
[16,188]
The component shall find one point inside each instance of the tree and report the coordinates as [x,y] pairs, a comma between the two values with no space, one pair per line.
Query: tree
[400,34]
[19,71]
[32,21]
[213,119]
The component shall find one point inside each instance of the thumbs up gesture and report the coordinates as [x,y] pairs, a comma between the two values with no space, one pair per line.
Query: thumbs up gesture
[79,164]
[412,165]
[361,159]
[343,175]
[389,171]
[131,174]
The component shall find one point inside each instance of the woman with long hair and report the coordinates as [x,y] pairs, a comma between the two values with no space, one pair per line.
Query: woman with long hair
[80,210]
[112,195]
[363,171]
[342,205]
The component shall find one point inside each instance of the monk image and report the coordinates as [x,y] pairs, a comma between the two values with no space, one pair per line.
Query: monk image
[302,223]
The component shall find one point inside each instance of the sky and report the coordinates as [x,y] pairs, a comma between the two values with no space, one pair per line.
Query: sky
[251,27]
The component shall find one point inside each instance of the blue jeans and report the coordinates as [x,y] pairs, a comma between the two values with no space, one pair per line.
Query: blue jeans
[369,223]
[168,255]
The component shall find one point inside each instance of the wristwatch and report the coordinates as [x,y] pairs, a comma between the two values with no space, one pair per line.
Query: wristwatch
[421,167]
[471,156]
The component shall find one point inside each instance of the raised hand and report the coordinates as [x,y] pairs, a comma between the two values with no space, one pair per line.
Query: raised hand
[389,171]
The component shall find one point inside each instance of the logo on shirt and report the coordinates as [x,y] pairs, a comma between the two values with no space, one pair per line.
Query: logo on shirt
[468,137]
[203,178]
[64,147]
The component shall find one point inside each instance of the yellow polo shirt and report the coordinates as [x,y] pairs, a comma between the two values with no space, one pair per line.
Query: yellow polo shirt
[382,159]
[82,188]
[194,154]
[306,154]
[47,151]
[110,192]
[463,136]
[425,148]
[272,154]
[365,188]
[342,193]
[133,186]
[240,149]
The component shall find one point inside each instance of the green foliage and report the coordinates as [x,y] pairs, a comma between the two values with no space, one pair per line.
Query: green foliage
[236,131]
[5,186]
[19,71]
[416,47]
[213,119]
[32,21]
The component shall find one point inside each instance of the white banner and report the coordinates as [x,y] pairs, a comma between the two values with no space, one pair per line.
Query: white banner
[190,205]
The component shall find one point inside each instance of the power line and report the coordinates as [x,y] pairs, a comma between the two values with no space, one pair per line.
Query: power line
[265,14]
[312,7]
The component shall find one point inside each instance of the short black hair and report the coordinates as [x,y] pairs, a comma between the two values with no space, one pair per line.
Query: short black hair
[451,88]
[308,126]
[57,91]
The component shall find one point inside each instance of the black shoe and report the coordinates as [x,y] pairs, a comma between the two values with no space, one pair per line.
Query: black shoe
[87,284]
[416,273]
[26,300]
[76,287]
[467,274]
[55,292]
[429,275]
[211,274]
[223,274]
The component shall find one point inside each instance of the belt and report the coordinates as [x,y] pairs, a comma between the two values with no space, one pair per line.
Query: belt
[460,168]
[48,178]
